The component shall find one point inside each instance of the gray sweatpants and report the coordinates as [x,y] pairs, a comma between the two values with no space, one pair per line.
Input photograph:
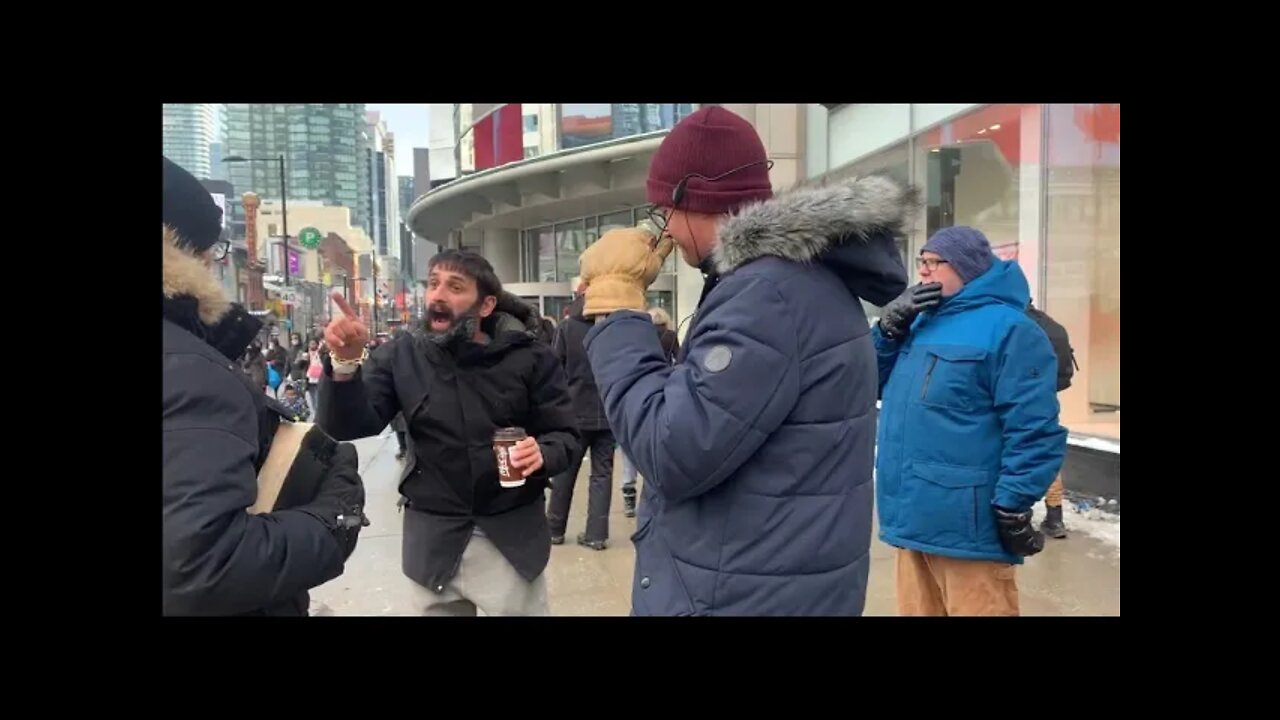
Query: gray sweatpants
[487,582]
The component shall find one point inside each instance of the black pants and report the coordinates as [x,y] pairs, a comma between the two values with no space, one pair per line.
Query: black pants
[599,492]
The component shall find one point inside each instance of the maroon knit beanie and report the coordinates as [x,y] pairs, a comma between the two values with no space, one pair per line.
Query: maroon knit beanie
[709,142]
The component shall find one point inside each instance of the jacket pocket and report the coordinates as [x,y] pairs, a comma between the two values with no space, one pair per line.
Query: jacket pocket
[946,504]
[952,377]
[659,589]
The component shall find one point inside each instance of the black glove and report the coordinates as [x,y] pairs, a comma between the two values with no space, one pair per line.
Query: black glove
[902,311]
[340,501]
[1017,535]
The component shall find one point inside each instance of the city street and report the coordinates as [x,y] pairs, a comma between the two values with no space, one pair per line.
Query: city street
[1076,576]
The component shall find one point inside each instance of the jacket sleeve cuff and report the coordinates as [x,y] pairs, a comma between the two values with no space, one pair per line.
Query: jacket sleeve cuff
[1011,501]
[605,321]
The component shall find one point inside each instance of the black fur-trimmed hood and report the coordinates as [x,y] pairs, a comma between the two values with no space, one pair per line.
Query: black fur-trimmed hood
[515,315]
[185,275]
[849,226]
[194,301]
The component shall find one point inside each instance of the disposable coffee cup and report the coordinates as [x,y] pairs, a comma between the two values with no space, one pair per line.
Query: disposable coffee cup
[503,440]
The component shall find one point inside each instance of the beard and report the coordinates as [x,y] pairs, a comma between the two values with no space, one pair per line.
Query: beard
[462,327]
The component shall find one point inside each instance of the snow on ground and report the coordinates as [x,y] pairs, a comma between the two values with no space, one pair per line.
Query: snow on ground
[1095,523]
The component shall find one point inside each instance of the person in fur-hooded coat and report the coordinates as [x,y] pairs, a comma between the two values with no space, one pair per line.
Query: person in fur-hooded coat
[757,447]
[217,426]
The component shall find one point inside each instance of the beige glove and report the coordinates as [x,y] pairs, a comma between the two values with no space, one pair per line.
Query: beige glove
[619,267]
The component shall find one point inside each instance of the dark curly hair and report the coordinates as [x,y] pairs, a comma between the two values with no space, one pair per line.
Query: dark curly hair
[470,264]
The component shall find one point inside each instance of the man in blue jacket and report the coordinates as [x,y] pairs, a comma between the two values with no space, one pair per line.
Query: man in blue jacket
[969,434]
[757,446]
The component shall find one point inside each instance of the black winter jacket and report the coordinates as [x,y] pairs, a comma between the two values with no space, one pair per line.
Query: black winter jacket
[587,408]
[217,558]
[453,398]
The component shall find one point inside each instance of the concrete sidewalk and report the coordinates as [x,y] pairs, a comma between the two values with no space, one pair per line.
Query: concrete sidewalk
[1076,576]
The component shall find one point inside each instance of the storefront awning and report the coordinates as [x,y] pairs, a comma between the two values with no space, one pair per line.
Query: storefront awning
[571,183]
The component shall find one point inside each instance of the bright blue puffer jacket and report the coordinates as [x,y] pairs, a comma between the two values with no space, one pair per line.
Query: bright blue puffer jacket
[969,419]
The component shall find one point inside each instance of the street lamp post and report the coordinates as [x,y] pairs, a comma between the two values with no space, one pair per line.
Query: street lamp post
[284,225]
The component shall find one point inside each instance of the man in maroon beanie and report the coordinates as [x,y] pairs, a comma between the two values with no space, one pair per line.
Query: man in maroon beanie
[757,447]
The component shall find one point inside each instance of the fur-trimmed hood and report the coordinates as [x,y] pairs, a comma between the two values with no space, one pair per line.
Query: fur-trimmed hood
[185,274]
[850,227]
[194,301]
[515,315]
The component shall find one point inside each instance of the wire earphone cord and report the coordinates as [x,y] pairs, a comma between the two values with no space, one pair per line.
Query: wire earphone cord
[679,194]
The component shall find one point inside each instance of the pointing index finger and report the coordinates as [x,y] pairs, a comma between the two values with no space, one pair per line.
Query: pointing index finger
[343,305]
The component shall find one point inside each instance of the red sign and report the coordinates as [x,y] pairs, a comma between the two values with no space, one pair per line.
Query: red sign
[499,138]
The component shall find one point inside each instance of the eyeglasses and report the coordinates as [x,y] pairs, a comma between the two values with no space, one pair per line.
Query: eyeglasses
[658,216]
[931,263]
[220,249]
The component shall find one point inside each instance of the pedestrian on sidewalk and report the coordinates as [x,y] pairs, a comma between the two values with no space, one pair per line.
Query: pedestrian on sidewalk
[299,361]
[398,424]
[315,369]
[969,433]
[277,361]
[254,364]
[216,425]
[470,544]
[596,436]
[757,447]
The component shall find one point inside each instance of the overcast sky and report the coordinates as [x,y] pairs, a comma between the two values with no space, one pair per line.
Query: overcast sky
[409,123]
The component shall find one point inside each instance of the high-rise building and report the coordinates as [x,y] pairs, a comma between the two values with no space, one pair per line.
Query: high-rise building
[441,143]
[384,187]
[189,130]
[217,168]
[322,145]
[539,122]
[407,194]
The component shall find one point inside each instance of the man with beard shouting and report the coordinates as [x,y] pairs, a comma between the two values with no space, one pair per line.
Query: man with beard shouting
[472,540]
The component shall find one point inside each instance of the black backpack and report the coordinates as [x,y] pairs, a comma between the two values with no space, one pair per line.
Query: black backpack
[1061,346]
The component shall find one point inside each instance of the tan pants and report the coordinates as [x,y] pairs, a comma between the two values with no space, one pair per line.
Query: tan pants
[1053,498]
[485,581]
[933,585]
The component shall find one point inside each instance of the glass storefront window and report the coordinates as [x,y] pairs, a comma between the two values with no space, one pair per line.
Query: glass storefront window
[615,220]
[544,242]
[570,242]
[555,305]
[982,169]
[664,299]
[969,171]
[1082,285]
[551,254]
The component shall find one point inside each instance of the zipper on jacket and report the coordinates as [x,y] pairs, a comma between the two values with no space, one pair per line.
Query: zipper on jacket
[933,361]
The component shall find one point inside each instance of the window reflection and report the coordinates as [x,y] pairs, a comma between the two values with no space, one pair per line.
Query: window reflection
[1083,283]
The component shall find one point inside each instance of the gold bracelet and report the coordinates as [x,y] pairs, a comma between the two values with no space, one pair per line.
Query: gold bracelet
[350,365]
